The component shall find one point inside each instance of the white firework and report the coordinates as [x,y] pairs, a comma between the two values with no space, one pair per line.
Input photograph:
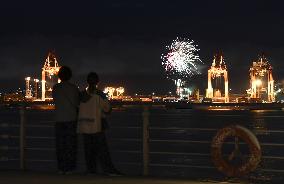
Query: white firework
[182,59]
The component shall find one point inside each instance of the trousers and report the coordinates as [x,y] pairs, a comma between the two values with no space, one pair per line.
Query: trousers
[95,146]
[66,145]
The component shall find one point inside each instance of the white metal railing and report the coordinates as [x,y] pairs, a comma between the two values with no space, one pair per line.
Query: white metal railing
[23,137]
[145,140]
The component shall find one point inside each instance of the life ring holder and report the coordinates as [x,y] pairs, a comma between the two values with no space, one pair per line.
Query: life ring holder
[249,138]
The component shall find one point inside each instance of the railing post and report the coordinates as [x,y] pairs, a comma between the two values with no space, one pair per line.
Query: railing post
[22,138]
[145,115]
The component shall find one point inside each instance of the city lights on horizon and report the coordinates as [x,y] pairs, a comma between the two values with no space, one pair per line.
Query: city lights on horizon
[180,63]
[113,92]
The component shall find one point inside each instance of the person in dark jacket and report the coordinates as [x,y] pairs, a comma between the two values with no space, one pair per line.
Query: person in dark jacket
[96,143]
[66,100]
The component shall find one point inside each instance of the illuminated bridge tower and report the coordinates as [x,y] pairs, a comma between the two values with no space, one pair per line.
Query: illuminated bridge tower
[49,78]
[259,72]
[217,71]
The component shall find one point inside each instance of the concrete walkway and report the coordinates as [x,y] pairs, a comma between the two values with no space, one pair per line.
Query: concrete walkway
[13,177]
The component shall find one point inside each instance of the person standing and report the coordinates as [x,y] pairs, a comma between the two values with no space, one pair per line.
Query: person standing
[66,100]
[92,124]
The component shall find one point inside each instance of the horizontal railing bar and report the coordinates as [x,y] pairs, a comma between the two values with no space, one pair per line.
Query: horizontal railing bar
[37,137]
[35,160]
[180,153]
[204,129]
[45,149]
[42,121]
[129,163]
[125,139]
[40,126]
[125,151]
[272,144]
[182,165]
[117,127]
[209,142]
[119,163]
[151,140]
[52,138]
[180,141]
[215,115]
[273,131]
[206,154]
[273,170]
[177,128]
[180,115]
[273,157]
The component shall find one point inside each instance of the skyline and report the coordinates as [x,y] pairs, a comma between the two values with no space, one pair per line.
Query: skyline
[191,85]
[132,79]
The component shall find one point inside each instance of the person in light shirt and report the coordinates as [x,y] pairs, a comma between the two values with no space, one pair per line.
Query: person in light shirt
[92,124]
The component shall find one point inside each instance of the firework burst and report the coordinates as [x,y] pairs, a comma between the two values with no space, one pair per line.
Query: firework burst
[182,60]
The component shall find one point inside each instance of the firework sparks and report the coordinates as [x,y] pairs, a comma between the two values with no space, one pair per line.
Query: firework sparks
[182,59]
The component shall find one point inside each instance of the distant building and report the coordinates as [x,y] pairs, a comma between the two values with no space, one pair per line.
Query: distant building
[13,97]
[42,90]
[33,87]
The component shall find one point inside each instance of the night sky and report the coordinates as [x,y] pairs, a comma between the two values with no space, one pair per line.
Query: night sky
[123,40]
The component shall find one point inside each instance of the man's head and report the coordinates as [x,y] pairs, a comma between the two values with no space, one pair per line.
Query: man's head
[93,78]
[65,73]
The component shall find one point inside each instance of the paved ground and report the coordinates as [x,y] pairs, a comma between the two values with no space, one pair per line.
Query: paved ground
[13,177]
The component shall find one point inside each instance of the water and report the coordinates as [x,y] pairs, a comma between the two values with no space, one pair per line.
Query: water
[179,144]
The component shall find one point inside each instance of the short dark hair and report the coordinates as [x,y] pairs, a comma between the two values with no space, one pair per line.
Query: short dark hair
[93,78]
[64,73]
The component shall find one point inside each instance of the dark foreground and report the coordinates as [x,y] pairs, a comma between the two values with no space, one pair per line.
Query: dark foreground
[175,144]
[14,177]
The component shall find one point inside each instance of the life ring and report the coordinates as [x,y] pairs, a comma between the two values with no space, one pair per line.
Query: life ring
[244,134]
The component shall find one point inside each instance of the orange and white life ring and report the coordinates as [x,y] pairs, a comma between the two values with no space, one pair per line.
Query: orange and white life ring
[244,134]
